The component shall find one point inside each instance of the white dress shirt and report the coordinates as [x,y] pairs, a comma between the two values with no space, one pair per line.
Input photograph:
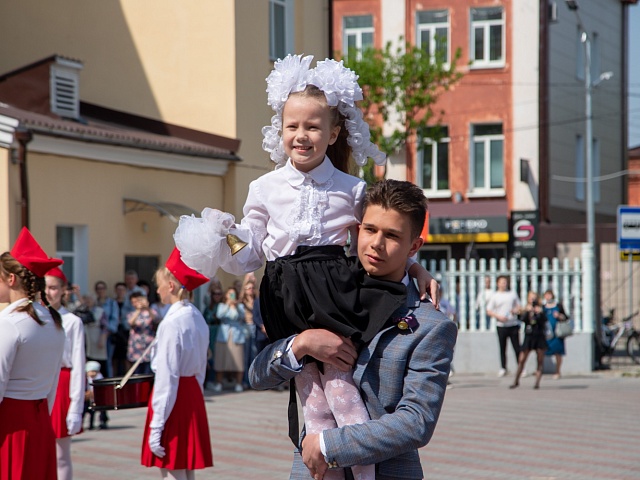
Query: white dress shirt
[30,354]
[74,358]
[180,350]
[286,208]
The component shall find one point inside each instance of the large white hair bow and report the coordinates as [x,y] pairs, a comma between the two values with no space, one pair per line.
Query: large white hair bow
[340,86]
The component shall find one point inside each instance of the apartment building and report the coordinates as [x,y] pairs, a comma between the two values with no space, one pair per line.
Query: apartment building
[507,179]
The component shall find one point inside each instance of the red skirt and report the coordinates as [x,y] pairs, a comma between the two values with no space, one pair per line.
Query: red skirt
[27,442]
[61,404]
[185,437]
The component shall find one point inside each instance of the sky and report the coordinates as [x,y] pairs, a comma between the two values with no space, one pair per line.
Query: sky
[634,75]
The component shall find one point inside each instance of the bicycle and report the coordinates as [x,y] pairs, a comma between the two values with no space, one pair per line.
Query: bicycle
[612,333]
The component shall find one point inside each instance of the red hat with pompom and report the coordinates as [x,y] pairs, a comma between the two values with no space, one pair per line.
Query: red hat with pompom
[31,255]
[187,276]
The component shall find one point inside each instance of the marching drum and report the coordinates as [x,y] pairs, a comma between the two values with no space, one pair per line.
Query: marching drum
[114,394]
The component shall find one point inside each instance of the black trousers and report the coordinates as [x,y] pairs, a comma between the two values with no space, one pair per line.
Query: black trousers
[513,334]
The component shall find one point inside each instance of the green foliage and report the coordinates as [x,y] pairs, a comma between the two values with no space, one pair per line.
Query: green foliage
[400,88]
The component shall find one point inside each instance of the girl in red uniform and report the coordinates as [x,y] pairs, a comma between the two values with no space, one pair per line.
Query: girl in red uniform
[66,415]
[31,346]
[176,433]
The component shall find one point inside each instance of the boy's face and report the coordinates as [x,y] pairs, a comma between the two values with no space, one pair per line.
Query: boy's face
[92,374]
[385,242]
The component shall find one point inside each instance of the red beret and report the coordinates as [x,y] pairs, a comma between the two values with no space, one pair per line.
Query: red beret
[188,277]
[57,272]
[31,256]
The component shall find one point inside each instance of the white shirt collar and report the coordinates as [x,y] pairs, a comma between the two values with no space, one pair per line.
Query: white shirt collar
[405,280]
[320,174]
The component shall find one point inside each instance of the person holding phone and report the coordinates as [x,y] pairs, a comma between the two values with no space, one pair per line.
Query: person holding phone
[230,340]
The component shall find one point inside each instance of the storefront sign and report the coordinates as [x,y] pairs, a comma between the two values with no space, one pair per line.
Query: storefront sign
[524,233]
[464,230]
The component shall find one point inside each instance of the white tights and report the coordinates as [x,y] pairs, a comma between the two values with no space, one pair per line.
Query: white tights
[177,474]
[329,400]
[63,455]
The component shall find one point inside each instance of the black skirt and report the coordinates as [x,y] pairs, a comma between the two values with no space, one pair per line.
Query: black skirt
[534,341]
[320,287]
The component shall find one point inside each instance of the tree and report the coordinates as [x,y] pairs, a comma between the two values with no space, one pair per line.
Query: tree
[403,84]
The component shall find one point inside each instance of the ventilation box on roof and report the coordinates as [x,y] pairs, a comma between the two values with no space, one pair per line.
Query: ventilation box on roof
[65,88]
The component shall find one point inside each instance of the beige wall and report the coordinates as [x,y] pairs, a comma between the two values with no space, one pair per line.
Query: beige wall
[90,193]
[155,58]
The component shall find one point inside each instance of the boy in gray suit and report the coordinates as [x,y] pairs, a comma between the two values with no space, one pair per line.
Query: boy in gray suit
[402,373]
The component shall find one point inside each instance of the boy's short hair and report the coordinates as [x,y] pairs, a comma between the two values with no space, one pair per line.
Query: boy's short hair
[404,197]
[137,294]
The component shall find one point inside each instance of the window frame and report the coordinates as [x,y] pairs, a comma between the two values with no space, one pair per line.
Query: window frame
[485,190]
[358,33]
[486,27]
[431,28]
[287,33]
[79,253]
[432,191]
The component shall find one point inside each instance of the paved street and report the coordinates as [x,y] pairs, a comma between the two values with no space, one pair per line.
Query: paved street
[583,427]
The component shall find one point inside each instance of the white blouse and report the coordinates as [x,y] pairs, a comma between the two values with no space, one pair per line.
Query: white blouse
[74,358]
[30,354]
[286,208]
[180,350]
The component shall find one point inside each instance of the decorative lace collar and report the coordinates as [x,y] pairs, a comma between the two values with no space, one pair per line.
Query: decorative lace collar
[321,174]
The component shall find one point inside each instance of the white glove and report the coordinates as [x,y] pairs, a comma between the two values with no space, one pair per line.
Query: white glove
[154,442]
[74,422]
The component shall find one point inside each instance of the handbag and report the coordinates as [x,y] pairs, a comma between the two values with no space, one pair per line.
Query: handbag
[564,329]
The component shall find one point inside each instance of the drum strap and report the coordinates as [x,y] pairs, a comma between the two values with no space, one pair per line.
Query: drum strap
[125,379]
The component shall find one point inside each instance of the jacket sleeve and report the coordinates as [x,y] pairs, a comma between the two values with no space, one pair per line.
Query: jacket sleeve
[270,368]
[414,420]
[76,387]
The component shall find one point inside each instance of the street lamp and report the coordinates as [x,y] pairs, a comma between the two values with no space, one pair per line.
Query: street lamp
[590,292]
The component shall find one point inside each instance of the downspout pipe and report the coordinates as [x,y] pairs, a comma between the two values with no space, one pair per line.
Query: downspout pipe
[23,136]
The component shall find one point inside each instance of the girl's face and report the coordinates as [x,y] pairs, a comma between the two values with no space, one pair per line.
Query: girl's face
[54,290]
[307,131]
[164,289]
[5,289]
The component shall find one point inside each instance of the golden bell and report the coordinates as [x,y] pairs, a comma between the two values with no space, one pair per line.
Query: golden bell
[235,244]
[402,325]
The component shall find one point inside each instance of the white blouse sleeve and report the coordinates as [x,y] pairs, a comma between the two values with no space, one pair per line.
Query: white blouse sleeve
[76,387]
[168,351]
[9,339]
[357,213]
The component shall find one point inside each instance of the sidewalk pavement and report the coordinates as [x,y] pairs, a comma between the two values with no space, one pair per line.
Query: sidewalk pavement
[581,427]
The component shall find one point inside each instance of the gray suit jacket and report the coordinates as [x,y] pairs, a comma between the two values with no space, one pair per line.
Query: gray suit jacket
[402,376]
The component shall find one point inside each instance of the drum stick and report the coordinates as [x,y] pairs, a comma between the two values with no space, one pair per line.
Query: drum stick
[125,379]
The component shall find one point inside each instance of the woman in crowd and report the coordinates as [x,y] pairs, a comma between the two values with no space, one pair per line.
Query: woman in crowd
[176,435]
[67,412]
[555,313]
[144,323]
[534,319]
[112,315]
[248,299]
[31,347]
[215,297]
[229,355]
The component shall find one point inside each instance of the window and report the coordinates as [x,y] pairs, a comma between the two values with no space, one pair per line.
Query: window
[433,33]
[487,171]
[357,34]
[581,171]
[280,28]
[72,247]
[487,37]
[433,163]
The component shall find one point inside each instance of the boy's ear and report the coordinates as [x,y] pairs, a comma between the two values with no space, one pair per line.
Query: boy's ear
[415,246]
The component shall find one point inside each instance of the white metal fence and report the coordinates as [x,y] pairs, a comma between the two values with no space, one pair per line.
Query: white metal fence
[463,280]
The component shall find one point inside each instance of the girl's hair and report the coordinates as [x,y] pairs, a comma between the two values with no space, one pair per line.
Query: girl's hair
[243,295]
[340,152]
[165,273]
[31,285]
